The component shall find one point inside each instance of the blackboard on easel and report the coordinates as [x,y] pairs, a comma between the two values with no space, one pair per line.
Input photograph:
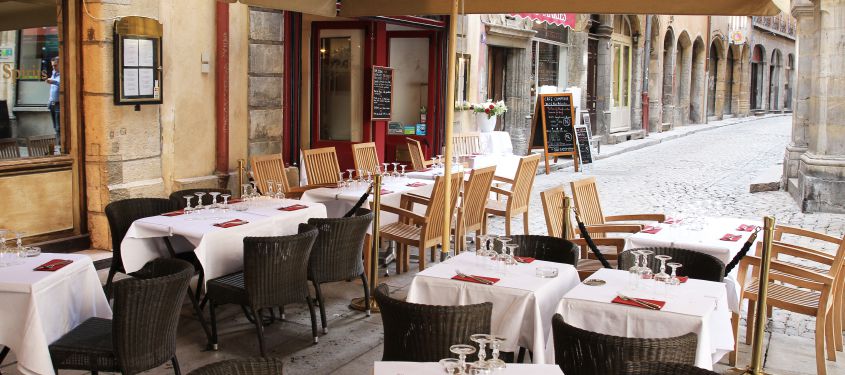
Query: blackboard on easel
[553,128]
[582,134]
[382,93]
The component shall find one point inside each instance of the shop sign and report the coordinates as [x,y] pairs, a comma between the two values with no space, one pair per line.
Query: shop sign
[7,54]
[737,37]
[410,129]
[560,19]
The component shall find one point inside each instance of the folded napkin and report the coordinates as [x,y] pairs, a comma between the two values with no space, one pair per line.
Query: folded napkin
[731,237]
[746,228]
[293,207]
[683,279]
[174,213]
[236,200]
[424,170]
[672,220]
[524,259]
[632,303]
[471,280]
[53,265]
[385,191]
[650,229]
[231,223]
[416,184]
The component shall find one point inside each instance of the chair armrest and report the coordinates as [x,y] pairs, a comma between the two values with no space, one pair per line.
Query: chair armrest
[408,199]
[801,252]
[503,179]
[637,217]
[612,228]
[789,273]
[501,191]
[403,213]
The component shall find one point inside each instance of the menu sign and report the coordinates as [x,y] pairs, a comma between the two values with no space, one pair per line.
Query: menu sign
[382,93]
[582,134]
[554,127]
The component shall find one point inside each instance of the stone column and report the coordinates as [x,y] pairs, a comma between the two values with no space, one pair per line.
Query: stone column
[518,98]
[266,81]
[821,171]
[803,11]
[604,71]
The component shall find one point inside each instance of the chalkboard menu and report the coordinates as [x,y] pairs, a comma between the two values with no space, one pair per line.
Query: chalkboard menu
[554,127]
[382,95]
[582,133]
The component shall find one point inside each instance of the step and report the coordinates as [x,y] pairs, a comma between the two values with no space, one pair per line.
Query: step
[666,126]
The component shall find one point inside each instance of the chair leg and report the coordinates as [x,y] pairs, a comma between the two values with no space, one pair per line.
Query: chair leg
[521,355]
[432,255]
[749,321]
[830,344]
[821,368]
[200,317]
[322,305]
[525,222]
[176,369]
[735,327]
[366,293]
[213,342]
[200,283]
[421,257]
[313,319]
[259,326]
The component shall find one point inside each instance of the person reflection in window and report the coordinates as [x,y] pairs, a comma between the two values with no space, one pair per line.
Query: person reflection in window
[54,82]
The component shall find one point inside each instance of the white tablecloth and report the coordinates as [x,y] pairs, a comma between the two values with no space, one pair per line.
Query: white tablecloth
[219,250]
[429,368]
[496,143]
[506,166]
[339,201]
[695,306]
[706,240]
[523,304]
[39,307]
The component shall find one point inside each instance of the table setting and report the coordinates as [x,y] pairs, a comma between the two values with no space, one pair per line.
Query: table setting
[506,165]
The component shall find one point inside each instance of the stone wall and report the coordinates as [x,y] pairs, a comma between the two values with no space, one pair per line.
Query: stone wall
[266,81]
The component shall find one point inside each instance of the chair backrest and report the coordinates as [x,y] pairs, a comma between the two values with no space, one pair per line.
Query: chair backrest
[523,181]
[416,153]
[663,368]
[269,168]
[178,197]
[146,314]
[321,166]
[423,333]
[337,252]
[121,214]
[553,210]
[40,145]
[248,366]
[365,157]
[696,265]
[434,212]
[547,248]
[276,268]
[587,201]
[476,193]
[9,148]
[466,144]
[578,351]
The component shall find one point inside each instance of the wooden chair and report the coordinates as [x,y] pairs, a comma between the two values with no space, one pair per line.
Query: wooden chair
[9,148]
[41,145]
[418,161]
[272,168]
[588,204]
[424,231]
[471,215]
[796,289]
[466,144]
[365,157]
[321,166]
[518,195]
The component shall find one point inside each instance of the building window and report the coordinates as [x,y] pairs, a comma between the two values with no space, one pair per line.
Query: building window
[622,44]
[36,48]
[549,51]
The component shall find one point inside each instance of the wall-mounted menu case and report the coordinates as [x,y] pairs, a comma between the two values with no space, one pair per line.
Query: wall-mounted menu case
[137,61]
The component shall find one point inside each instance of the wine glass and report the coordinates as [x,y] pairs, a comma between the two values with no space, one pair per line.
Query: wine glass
[350,172]
[340,180]
[188,207]
[269,192]
[361,176]
[14,255]
[395,169]
[214,195]
[245,191]
[280,190]
[462,350]
[434,162]
[674,279]
[440,160]
[226,197]
[662,276]
[385,167]
[403,175]
[634,271]
[504,240]
[450,365]
[495,343]
[645,271]
[199,195]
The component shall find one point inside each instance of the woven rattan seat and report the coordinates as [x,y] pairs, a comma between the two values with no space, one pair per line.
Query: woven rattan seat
[550,249]
[582,352]
[178,197]
[423,333]
[142,334]
[249,366]
[663,368]
[696,265]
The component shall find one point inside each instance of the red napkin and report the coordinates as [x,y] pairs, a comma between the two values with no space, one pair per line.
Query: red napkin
[293,207]
[471,280]
[731,237]
[746,228]
[672,220]
[53,265]
[236,200]
[231,223]
[424,170]
[416,184]
[524,259]
[632,303]
[174,213]
[651,230]
[683,279]
[385,191]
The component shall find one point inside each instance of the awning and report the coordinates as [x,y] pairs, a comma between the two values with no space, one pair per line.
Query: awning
[360,8]
[326,8]
[25,14]
[559,19]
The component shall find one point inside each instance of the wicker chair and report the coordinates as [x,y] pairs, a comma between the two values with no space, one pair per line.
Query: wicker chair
[250,366]
[142,334]
[423,333]
[663,368]
[547,248]
[274,275]
[178,197]
[696,265]
[583,352]
[337,254]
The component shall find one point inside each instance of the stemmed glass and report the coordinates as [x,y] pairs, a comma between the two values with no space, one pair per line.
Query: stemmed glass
[481,339]
[280,190]
[188,207]
[509,251]
[462,350]
[674,280]
[20,251]
[361,176]
[662,276]
[269,192]
[440,160]
[199,199]
[504,241]
[3,247]
[403,175]
[450,365]
[225,204]
[495,343]
[349,182]
[434,162]
[645,271]
[245,191]
[385,167]
[340,180]
[214,195]
[395,170]
[634,271]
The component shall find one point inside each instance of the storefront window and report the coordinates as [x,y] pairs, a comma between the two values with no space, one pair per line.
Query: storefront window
[38,46]
[549,58]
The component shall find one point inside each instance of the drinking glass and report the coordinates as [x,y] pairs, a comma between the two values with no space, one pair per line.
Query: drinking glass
[360,176]
[349,182]
[340,180]
[17,255]
[254,190]
[646,272]
[495,343]
[280,190]
[188,198]
[440,160]
[403,175]
[476,369]
[674,279]
[395,170]
[225,205]
[504,241]
[199,200]
[269,192]
[662,276]
[462,350]
[434,162]
[214,195]
[245,191]
[385,167]
[450,365]
[634,271]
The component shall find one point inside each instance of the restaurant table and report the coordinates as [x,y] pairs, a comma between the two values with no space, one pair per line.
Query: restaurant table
[39,307]
[702,235]
[429,368]
[219,250]
[496,143]
[523,304]
[506,166]
[338,201]
[696,306]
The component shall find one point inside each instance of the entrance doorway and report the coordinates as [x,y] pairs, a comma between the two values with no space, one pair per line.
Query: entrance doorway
[774,81]
[592,71]
[757,78]
[621,59]
[497,63]
[729,81]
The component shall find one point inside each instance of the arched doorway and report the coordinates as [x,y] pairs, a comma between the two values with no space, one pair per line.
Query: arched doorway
[757,67]
[697,82]
[729,81]
[683,70]
[787,89]
[774,81]
[668,77]
[713,75]
[621,65]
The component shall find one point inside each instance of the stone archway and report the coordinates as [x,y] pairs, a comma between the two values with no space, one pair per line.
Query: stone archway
[729,82]
[758,65]
[774,81]
[668,79]
[713,86]
[683,72]
[697,82]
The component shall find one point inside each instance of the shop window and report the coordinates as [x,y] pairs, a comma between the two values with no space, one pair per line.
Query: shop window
[37,47]
[341,83]
[549,57]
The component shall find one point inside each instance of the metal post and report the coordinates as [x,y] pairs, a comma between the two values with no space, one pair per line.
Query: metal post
[359,303]
[241,171]
[762,293]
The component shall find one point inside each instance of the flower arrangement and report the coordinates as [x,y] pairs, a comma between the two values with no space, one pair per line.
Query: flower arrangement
[489,108]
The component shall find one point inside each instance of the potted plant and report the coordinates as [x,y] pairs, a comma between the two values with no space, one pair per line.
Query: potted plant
[487,113]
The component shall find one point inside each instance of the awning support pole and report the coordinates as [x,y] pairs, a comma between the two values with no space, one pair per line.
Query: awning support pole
[450,114]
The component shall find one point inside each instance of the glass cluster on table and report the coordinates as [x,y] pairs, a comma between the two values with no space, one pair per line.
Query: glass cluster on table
[355,179]
[438,163]
[459,366]
[642,277]
[15,255]
[492,260]
[211,208]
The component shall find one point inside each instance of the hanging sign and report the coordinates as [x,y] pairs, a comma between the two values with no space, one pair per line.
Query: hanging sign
[559,19]
[553,129]
[382,93]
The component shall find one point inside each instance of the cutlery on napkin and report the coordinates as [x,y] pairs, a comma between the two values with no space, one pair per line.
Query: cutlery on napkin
[523,259]
[231,223]
[639,302]
[53,265]
[385,191]
[417,184]
[731,237]
[293,207]
[650,229]
[472,278]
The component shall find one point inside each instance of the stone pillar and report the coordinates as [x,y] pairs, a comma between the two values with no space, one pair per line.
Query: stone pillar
[604,71]
[803,11]
[518,97]
[821,171]
[266,81]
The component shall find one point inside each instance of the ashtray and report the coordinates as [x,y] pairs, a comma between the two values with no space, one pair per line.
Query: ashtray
[546,272]
[594,282]
[33,251]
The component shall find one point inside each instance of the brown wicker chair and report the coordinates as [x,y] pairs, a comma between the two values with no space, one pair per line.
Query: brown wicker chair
[337,254]
[274,275]
[142,334]
[663,368]
[179,201]
[250,366]
[696,265]
[580,352]
[550,249]
[423,333]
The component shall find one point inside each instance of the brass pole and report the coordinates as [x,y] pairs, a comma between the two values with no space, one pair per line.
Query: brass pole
[761,318]
[359,303]
[450,114]
[241,171]
[567,219]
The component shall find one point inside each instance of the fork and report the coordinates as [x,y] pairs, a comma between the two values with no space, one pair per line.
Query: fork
[480,280]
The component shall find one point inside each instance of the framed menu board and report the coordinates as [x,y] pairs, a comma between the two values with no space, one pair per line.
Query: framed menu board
[137,61]
[553,128]
[382,93]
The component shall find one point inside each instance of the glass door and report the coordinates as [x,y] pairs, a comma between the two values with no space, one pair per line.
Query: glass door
[621,89]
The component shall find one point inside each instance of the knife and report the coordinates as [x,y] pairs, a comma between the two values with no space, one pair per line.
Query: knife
[480,280]
[642,303]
